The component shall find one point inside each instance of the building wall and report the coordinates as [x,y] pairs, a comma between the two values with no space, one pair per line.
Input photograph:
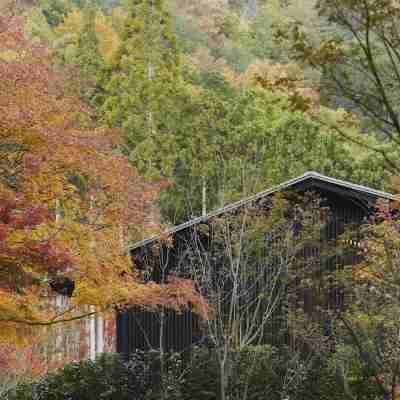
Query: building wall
[52,347]
[141,330]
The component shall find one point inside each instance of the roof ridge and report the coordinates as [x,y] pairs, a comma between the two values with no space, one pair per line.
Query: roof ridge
[259,195]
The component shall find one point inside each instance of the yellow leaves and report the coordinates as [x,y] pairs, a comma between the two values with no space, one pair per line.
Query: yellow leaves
[17,308]
[44,188]
[68,167]
[203,61]
[8,55]
[283,79]
[329,52]
[40,234]
[107,36]
[118,16]
[8,331]
[101,293]
[209,16]
[366,274]
[73,24]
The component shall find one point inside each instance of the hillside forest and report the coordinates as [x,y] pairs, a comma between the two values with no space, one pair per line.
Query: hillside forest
[119,118]
[220,98]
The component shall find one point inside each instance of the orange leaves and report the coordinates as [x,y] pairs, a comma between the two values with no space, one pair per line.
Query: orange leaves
[284,80]
[74,24]
[209,16]
[203,61]
[176,295]
[69,201]
[107,36]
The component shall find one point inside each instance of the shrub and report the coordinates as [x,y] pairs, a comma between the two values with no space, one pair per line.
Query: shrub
[108,378]
[201,375]
[21,390]
[263,371]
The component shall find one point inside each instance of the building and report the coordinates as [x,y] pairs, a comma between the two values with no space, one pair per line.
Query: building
[138,329]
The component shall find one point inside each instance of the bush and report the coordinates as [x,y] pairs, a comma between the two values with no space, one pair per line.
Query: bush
[258,370]
[22,391]
[350,376]
[107,378]
[254,373]
[202,376]
[265,372]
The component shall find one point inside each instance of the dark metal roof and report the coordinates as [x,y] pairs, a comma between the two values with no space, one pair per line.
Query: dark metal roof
[308,176]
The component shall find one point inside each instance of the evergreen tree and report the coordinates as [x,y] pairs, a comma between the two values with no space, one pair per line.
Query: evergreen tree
[242,143]
[145,89]
[213,141]
[90,62]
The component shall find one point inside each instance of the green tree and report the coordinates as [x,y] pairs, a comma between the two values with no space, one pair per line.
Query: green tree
[364,324]
[145,90]
[360,67]
[235,143]
[271,143]
[90,62]
[200,158]
[55,10]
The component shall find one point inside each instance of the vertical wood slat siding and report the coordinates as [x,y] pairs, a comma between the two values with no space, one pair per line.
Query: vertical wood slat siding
[181,330]
[343,214]
[140,330]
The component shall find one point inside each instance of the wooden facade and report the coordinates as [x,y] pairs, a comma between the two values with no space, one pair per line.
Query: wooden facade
[143,330]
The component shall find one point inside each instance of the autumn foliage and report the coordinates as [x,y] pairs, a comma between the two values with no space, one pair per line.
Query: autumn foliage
[69,201]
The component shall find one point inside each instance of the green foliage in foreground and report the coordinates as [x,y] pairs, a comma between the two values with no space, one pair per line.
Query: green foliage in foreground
[274,375]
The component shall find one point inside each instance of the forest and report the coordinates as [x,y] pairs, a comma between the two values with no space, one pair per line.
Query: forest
[121,118]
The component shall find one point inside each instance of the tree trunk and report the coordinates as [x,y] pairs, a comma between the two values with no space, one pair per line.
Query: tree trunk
[99,334]
[204,197]
[161,342]
[92,334]
[223,381]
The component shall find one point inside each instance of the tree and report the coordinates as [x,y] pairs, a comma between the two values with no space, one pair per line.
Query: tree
[68,202]
[83,43]
[81,51]
[195,177]
[86,37]
[371,321]
[145,88]
[184,124]
[241,264]
[148,98]
[254,135]
[55,11]
[107,36]
[355,304]
[360,67]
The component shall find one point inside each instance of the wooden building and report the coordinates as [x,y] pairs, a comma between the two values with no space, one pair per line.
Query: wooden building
[138,329]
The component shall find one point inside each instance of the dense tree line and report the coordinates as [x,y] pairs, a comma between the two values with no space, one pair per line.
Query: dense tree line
[206,97]
[209,100]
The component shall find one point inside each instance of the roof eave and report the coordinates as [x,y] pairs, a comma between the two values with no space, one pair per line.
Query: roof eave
[372,193]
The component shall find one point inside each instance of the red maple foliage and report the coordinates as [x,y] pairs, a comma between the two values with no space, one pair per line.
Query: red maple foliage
[69,202]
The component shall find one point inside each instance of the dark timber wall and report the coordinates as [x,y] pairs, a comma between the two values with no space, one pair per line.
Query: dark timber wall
[138,329]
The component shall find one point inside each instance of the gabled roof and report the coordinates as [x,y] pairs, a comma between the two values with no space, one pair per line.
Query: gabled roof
[311,177]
